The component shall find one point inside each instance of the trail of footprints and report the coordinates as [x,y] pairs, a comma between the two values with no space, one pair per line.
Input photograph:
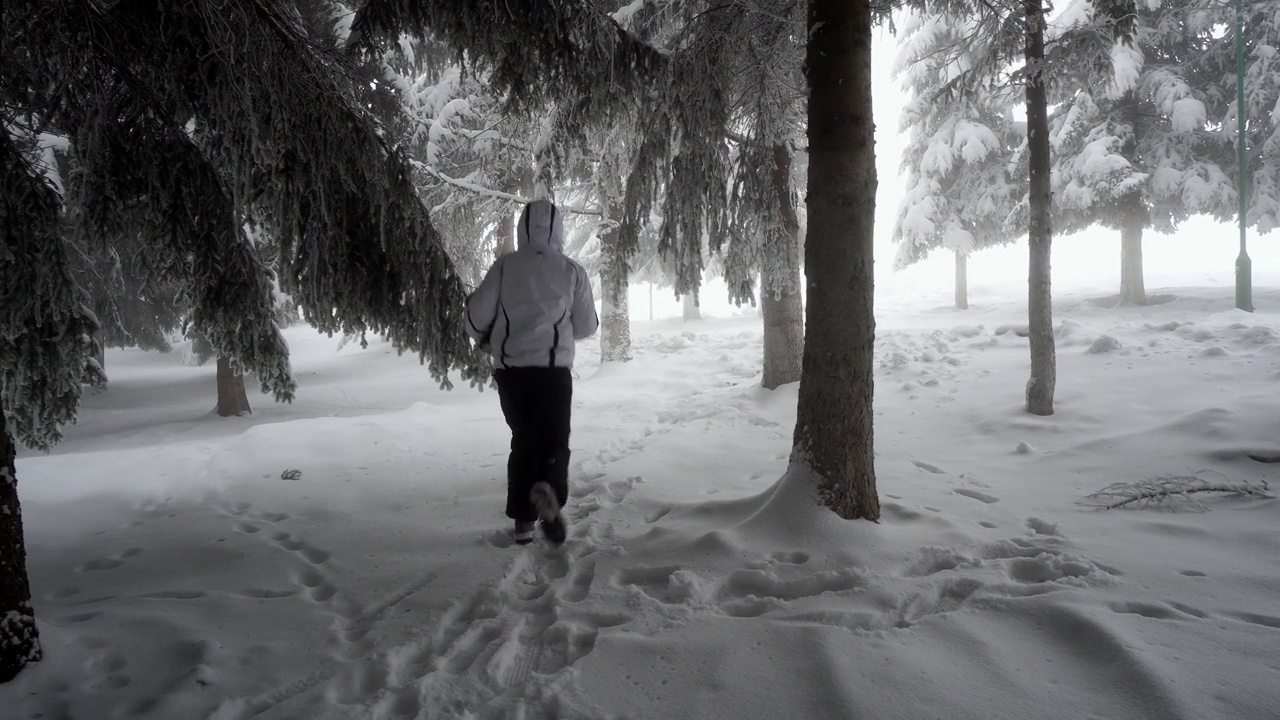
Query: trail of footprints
[486,646]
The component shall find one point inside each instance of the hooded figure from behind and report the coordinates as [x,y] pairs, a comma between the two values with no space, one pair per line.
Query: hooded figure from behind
[530,309]
[536,302]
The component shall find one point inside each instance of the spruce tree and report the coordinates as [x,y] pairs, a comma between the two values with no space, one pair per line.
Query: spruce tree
[178,146]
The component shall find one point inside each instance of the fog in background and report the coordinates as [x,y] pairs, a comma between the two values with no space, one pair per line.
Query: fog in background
[1201,253]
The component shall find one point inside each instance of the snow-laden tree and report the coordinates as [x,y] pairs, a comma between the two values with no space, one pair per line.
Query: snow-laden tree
[559,48]
[984,46]
[1261,21]
[176,144]
[1141,150]
[45,326]
[961,187]
[473,159]
[768,118]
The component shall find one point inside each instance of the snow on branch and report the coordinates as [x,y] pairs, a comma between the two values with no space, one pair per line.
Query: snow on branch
[489,192]
[1166,488]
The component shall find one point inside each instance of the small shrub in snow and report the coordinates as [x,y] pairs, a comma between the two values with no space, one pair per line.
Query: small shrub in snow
[1173,490]
[291,474]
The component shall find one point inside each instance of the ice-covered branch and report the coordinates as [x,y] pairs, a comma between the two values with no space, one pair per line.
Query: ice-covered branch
[487,191]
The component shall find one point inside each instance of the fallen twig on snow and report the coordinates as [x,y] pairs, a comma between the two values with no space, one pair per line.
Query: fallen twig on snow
[1158,490]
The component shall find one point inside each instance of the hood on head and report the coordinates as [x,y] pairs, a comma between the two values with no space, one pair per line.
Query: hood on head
[541,226]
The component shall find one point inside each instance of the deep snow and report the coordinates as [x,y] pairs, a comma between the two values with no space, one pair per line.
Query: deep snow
[177,574]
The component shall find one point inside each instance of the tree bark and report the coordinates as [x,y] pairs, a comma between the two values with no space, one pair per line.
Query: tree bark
[19,638]
[615,315]
[1044,371]
[1133,290]
[780,303]
[833,435]
[962,280]
[691,309]
[232,399]
[506,235]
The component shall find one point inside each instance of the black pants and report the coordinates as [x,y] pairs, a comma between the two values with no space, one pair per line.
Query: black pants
[536,404]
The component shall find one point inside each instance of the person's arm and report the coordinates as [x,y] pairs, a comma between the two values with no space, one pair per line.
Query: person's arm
[482,305]
[585,320]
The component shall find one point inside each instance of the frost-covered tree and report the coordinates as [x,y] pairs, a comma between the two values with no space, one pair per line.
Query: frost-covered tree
[1142,151]
[473,159]
[1261,23]
[176,144]
[986,45]
[961,188]
[559,47]
[45,326]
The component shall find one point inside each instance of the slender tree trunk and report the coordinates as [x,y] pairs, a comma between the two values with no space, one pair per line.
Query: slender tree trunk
[834,415]
[962,280]
[232,399]
[615,316]
[780,285]
[1044,371]
[19,639]
[506,234]
[650,302]
[691,309]
[1133,290]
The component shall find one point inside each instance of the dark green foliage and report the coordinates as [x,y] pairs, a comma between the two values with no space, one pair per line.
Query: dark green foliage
[45,327]
[535,52]
[190,120]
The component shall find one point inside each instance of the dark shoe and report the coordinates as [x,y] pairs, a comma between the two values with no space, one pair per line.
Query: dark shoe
[523,534]
[544,500]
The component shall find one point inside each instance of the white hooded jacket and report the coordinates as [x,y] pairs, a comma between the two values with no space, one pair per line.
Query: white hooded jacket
[534,303]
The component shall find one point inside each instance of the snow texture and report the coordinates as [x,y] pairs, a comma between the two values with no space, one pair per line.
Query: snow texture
[177,574]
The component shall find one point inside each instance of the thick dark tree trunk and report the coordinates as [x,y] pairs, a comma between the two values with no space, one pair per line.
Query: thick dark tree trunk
[232,399]
[691,309]
[780,303]
[962,280]
[1044,370]
[1133,290]
[19,640]
[834,415]
[615,315]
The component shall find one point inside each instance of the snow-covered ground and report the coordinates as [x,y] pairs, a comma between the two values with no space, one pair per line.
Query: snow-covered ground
[178,575]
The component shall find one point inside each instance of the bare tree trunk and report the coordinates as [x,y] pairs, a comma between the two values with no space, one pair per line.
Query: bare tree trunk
[232,399]
[780,285]
[691,309]
[506,234]
[19,638]
[834,416]
[962,280]
[615,315]
[1133,290]
[1044,371]
[650,302]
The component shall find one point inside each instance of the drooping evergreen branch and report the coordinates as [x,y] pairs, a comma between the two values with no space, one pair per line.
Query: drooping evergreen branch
[289,145]
[45,327]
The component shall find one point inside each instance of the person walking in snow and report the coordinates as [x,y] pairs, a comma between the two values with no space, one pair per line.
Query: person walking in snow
[530,309]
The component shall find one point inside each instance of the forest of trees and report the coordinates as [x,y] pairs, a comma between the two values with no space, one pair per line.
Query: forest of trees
[215,169]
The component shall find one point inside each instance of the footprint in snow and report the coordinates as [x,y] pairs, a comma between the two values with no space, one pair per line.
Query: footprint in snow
[108,563]
[928,467]
[976,495]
